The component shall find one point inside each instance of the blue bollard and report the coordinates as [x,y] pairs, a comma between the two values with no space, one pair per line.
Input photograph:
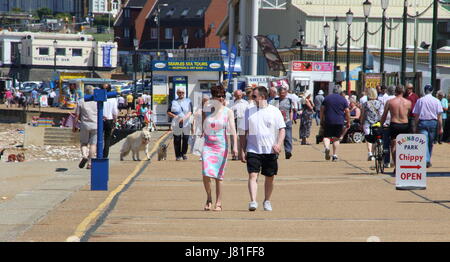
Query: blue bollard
[100,165]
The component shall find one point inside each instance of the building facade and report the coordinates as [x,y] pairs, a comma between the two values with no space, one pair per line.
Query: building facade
[28,51]
[79,8]
[199,19]
[281,21]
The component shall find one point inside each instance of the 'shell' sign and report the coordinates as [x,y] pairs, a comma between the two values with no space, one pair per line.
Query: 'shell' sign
[410,168]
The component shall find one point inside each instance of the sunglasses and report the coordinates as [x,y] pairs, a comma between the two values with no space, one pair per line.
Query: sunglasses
[254,96]
[220,96]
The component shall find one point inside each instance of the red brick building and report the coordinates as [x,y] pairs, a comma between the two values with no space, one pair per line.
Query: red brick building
[197,18]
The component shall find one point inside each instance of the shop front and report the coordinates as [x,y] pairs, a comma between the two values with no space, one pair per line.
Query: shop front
[309,77]
[195,77]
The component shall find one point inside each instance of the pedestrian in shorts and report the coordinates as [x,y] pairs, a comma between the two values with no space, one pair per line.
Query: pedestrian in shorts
[333,113]
[264,127]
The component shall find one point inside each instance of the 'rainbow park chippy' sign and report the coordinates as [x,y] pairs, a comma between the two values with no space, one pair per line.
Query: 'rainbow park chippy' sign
[410,164]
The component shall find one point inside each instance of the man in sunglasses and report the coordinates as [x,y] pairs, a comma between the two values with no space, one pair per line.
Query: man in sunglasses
[260,146]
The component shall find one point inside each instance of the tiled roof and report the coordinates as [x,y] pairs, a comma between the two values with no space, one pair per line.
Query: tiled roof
[136,3]
[183,9]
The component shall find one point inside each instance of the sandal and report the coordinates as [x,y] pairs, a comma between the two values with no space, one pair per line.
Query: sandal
[218,208]
[208,205]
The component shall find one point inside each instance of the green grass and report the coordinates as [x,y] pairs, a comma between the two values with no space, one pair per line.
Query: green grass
[103,37]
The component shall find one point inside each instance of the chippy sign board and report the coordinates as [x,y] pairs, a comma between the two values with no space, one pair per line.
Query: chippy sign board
[410,168]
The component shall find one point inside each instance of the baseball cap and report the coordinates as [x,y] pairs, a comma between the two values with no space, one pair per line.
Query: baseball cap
[428,88]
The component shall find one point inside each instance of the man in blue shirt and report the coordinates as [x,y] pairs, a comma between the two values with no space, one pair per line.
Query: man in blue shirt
[333,112]
[34,97]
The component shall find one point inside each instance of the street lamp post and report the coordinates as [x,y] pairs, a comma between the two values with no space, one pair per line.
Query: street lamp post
[326,32]
[336,43]
[366,6]
[384,6]
[301,34]
[136,45]
[405,28]
[434,46]
[185,41]
[159,24]
[55,43]
[349,16]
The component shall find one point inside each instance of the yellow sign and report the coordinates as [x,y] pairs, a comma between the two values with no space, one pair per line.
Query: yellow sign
[160,99]
[372,82]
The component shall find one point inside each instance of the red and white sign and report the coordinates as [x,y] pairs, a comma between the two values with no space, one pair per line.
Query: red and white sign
[410,167]
[312,66]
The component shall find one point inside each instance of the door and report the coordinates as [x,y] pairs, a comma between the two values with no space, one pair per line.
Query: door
[321,86]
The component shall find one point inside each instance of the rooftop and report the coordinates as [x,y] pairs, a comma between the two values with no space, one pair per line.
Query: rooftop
[183,9]
[331,8]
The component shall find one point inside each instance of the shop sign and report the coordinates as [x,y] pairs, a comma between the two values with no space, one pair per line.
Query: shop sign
[187,66]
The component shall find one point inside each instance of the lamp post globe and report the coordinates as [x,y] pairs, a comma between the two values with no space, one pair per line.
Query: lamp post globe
[366,7]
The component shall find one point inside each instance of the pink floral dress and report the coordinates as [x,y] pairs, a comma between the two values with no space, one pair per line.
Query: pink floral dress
[215,148]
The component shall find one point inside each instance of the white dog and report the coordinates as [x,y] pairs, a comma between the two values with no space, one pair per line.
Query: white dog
[136,142]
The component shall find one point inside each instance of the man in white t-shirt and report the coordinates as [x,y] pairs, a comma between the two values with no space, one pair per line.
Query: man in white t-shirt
[260,146]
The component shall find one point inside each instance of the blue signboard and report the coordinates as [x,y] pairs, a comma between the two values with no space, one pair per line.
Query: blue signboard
[107,55]
[187,66]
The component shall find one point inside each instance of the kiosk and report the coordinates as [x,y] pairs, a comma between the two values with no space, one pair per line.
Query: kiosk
[195,77]
[309,77]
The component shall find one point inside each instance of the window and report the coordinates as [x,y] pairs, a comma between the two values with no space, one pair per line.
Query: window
[77,52]
[199,33]
[154,33]
[29,51]
[127,13]
[170,12]
[185,12]
[61,51]
[43,50]
[200,12]
[126,32]
[168,33]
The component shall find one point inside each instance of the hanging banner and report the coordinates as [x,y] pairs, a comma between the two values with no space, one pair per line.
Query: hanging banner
[223,49]
[410,164]
[231,64]
[107,55]
[270,53]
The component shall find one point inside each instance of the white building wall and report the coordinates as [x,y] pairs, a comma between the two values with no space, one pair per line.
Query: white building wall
[30,53]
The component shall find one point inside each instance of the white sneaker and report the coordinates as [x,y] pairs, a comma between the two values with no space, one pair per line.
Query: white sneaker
[252,206]
[267,205]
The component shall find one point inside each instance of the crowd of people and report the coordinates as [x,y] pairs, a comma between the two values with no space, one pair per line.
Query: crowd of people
[398,109]
[20,99]
[257,124]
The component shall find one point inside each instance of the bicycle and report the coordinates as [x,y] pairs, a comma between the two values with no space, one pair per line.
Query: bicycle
[376,131]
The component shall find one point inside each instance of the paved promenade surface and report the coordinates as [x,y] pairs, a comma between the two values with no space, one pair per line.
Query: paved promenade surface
[313,200]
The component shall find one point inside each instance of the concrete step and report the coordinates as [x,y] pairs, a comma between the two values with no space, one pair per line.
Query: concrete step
[60,136]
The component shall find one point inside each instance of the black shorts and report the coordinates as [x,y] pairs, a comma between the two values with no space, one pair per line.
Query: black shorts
[333,130]
[267,164]
[396,129]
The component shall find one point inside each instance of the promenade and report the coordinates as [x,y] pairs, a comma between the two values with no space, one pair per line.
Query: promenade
[313,200]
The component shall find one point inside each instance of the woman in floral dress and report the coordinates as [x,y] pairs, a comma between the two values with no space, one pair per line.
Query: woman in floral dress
[218,122]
